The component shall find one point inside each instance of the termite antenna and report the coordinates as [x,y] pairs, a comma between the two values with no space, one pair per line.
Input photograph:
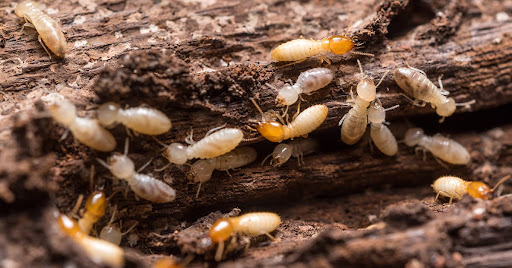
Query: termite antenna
[382,78]
[361,69]
[257,107]
[159,142]
[130,229]
[126,145]
[362,53]
[91,178]
[144,166]
[502,180]
[263,162]
[103,163]
[466,104]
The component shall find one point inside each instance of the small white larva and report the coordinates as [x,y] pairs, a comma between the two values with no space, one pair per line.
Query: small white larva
[49,30]
[212,145]
[145,186]
[297,148]
[201,171]
[145,120]
[252,224]
[416,84]
[86,131]
[441,147]
[307,121]
[380,133]
[308,82]
[354,123]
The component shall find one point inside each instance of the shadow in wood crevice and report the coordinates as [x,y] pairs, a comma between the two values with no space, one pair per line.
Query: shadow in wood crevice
[415,13]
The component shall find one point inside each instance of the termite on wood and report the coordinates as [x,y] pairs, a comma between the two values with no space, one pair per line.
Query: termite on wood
[455,187]
[212,145]
[201,171]
[354,123]
[415,83]
[86,131]
[145,186]
[100,251]
[300,49]
[49,30]
[145,120]
[112,232]
[308,82]
[305,122]
[252,224]
[296,148]
[441,147]
[379,132]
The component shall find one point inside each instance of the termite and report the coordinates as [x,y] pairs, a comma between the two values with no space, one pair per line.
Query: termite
[111,232]
[308,82]
[94,210]
[305,122]
[354,123]
[252,224]
[415,83]
[201,171]
[49,30]
[379,132]
[300,49]
[441,147]
[145,186]
[145,120]
[86,131]
[455,187]
[212,145]
[100,251]
[296,148]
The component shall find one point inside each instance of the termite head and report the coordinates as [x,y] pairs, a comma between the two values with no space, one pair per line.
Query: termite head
[376,113]
[366,89]
[268,127]
[121,166]
[287,95]
[447,108]
[339,44]
[68,226]
[478,189]
[23,7]
[281,154]
[221,230]
[96,204]
[111,233]
[200,171]
[413,136]
[108,113]
[176,153]
[63,111]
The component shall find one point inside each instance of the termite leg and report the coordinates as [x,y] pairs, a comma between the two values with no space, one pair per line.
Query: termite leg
[144,166]
[229,174]
[292,63]
[270,236]
[213,130]
[74,211]
[44,46]
[440,162]
[342,119]
[65,135]
[220,251]
[162,168]
[323,58]
[297,113]
[190,138]
[437,196]
[441,88]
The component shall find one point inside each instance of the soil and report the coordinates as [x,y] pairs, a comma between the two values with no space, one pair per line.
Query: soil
[201,62]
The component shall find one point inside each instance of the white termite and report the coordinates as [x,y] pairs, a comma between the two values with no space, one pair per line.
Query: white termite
[415,83]
[354,123]
[49,30]
[201,171]
[379,132]
[112,232]
[308,82]
[145,186]
[86,131]
[212,145]
[145,120]
[296,148]
[441,147]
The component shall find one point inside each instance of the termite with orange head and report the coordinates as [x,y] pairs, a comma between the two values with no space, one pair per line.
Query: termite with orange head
[415,83]
[354,123]
[379,132]
[300,49]
[145,186]
[100,251]
[201,171]
[94,210]
[145,120]
[297,148]
[252,224]
[441,147]
[212,145]
[308,82]
[455,187]
[86,131]
[305,122]
[112,232]
[49,30]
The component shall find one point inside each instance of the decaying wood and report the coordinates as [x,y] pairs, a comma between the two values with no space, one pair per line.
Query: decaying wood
[200,62]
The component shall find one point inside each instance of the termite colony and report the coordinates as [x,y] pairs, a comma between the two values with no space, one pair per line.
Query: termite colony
[219,150]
